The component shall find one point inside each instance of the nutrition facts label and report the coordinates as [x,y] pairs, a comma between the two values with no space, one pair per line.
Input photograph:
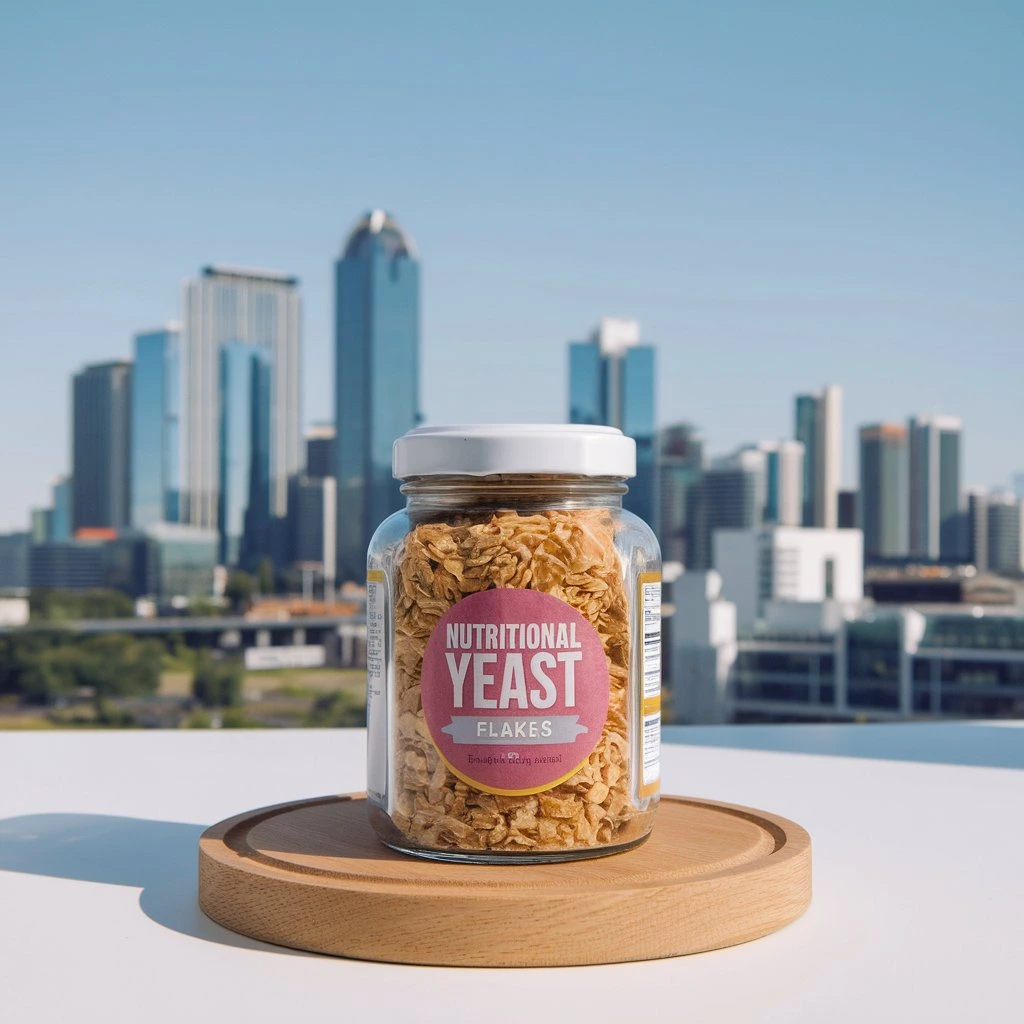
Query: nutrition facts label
[650,625]
[376,681]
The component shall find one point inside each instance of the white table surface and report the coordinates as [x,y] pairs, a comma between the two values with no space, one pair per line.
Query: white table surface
[918,910]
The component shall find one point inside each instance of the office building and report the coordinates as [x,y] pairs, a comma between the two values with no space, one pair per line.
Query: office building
[68,565]
[320,455]
[163,561]
[244,479]
[936,525]
[793,564]
[156,410]
[41,524]
[14,552]
[680,465]
[101,446]
[60,520]
[376,395]
[729,496]
[977,528]
[1004,533]
[701,638]
[261,309]
[847,512]
[884,512]
[878,665]
[611,383]
[784,482]
[819,427]
[312,516]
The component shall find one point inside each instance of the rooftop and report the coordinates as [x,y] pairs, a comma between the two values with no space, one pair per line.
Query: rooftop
[912,840]
[249,274]
[379,229]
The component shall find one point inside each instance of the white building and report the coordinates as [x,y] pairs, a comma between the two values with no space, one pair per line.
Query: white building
[784,481]
[936,527]
[254,307]
[702,629]
[782,563]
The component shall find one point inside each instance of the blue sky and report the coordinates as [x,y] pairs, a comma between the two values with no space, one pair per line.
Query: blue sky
[784,194]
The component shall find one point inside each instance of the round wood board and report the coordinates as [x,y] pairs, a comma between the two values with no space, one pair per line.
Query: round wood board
[313,875]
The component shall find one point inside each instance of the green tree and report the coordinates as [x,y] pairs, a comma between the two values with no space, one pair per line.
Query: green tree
[341,708]
[115,665]
[47,667]
[204,608]
[218,681]
[69,606]
[239,590]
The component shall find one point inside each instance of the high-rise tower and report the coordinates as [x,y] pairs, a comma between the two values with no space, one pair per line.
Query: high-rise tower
[376,392]
[225,306]
[611,382]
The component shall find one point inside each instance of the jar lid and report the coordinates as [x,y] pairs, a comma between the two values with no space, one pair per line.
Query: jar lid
[483,449]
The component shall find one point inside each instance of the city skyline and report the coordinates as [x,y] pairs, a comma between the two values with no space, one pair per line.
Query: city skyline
[595,380]
[781,198]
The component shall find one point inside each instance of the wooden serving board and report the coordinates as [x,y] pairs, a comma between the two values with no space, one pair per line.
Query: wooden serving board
[313,875]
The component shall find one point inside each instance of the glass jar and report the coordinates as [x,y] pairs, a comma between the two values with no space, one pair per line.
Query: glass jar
[513,616]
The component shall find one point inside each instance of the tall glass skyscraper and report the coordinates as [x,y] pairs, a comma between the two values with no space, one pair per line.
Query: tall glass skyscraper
[249,307]
[819,428]
[376,393]
[156,408]
[60,522]
[883,490]
[937,525]
[101,446]
[729,496]
[611,383]
[243,485]
[680,465]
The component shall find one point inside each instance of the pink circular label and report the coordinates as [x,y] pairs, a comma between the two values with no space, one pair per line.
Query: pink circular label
[515,690]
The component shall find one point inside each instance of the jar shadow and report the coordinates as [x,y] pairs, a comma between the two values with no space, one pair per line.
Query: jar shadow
[157,857]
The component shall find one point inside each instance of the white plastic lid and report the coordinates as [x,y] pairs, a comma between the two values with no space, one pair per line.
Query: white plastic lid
[482,449]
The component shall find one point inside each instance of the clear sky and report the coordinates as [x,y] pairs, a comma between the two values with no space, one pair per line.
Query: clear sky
[783,194]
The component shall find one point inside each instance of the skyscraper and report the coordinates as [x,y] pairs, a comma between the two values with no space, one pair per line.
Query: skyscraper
[156,391]
[819,426]
[977,528]
[611,382]
[249,307]
[729,496]
[320,457]
[848,517]
[883,490]
[784,482]
[312,515]
[936,525]
[1005,539]
[101,446]
[680,465]
[60,523]
[243,480]
[376,393]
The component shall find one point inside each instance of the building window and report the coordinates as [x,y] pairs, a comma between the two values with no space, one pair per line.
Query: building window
[830,578]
